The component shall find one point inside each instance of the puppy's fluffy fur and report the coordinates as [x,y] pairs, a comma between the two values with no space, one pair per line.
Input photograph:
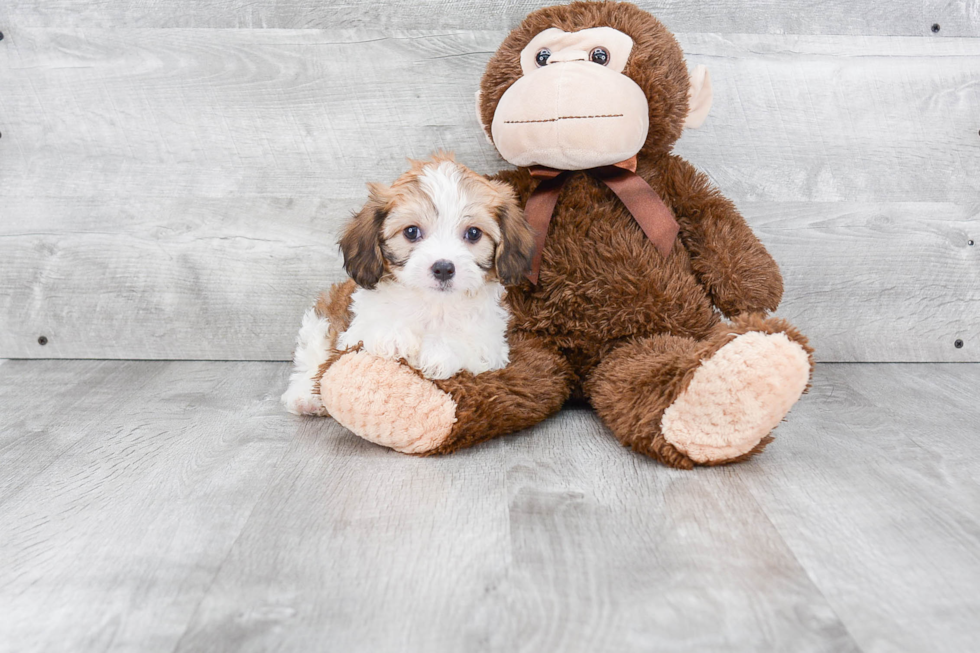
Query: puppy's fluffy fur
[430,256]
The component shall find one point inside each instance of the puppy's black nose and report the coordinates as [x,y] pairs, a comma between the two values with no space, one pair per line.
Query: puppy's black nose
[443,270]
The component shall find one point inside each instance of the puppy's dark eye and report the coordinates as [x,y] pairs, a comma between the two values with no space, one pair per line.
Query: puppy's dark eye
[541,58]
[599,56]
[412,233]
[472,234]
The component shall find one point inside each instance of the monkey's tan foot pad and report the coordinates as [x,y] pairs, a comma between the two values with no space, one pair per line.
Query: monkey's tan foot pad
[387,403]
[737,397]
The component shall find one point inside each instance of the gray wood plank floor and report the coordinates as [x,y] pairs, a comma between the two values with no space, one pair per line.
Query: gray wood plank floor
[173,506]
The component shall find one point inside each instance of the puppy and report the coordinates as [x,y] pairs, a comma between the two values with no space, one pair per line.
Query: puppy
[430,255]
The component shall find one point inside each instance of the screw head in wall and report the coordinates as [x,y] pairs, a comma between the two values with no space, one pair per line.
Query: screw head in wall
[43,340]
[958,343]
[935,28]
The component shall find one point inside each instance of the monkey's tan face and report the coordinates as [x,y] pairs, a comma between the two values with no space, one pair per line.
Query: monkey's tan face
[573,108]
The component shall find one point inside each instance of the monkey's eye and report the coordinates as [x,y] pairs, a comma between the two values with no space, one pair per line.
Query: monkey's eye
[541,58]
[599,56]
[472,234]
[412,233]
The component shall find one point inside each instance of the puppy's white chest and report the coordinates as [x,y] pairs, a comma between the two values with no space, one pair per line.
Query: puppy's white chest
[438,334]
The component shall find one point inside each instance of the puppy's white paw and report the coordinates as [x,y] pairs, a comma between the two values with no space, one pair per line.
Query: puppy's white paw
[497,359]
[312,350]
[300,400]
[437,360]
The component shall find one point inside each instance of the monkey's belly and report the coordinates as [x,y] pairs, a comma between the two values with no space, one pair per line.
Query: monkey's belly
[615,299]
[602,279]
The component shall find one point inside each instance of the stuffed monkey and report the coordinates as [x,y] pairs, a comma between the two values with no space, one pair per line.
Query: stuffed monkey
[649,294]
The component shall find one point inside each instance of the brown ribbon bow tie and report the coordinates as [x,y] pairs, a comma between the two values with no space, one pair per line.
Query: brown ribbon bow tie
[641,200]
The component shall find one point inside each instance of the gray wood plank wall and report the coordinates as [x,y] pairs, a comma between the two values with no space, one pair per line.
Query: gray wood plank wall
[171,188]
[867,17]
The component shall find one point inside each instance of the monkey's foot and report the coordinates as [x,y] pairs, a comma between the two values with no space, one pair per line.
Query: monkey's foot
[737,397]
[387,403]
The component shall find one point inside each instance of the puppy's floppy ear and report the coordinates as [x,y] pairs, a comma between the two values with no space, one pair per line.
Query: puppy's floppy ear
[361,242]
[515,251]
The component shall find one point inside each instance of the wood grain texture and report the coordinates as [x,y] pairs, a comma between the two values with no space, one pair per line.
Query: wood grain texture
[510,548]
[899,17]
[82,398]
[878,282]
[229,279]
[132,481]
[227,113]
[164,279]
[193,514]
[873,484]
[177,193]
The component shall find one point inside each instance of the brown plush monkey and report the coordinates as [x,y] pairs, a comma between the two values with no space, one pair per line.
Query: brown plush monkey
[634,270]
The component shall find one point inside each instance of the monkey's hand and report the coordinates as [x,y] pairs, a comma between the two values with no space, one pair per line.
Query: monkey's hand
[728,259]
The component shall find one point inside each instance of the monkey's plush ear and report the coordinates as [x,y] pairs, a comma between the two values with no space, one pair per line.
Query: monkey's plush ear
[698,98]
[361,242]
[479,116]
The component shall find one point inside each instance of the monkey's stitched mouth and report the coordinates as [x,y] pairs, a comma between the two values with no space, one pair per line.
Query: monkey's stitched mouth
[603,115]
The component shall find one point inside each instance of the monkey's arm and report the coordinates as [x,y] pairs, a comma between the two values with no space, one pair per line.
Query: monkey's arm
[729,260]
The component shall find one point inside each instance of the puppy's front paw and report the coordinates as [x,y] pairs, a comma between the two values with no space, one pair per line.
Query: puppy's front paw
[300,400]
[437,360]
[387,403]
[497,359]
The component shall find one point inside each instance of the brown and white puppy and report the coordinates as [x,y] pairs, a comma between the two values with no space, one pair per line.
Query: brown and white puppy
[430,255]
